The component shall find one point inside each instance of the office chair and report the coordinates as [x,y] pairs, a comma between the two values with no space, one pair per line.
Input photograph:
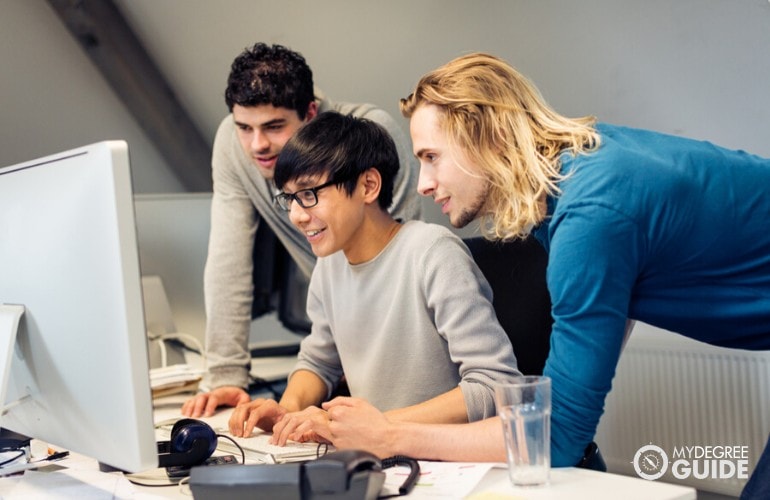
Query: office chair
[279,285]
[516,272]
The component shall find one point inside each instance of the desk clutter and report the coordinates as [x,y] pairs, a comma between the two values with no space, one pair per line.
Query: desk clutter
[226,477]
[184,435]
[308,471]
[189,451]
[174,379]
[79,477]
[349,474]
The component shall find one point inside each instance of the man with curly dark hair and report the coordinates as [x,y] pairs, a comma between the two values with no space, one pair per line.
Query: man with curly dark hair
[270,95]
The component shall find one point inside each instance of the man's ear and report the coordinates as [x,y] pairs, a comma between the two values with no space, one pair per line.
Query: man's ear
[372,183]
[312,111]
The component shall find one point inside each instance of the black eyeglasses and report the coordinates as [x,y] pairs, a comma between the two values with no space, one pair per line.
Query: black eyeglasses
[305,197]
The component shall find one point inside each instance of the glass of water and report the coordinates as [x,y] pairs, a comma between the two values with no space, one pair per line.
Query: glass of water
[524,408]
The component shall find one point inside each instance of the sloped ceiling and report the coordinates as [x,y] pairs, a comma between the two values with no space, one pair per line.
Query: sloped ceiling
[691,67]
[105,36]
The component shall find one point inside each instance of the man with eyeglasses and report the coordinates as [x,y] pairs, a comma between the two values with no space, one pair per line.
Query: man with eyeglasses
[401,309]
[270,95]
[307,198]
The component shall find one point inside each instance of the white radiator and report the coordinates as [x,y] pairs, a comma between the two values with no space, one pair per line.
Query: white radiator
[673,392]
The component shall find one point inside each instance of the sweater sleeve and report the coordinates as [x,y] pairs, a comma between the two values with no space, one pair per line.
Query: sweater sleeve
[461,302]
[228,287]
[593,264]
[318,351]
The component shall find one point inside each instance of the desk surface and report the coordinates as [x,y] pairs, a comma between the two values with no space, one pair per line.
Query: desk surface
[82,479]
[577,484]
[565,482]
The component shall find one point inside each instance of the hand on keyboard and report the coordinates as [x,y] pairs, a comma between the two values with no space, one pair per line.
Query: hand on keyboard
[261,413]
[258,447]
[297,426]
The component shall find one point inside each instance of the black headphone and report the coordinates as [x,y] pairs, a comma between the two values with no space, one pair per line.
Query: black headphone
[191,443]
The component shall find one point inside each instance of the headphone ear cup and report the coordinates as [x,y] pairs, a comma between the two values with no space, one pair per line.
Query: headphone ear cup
[187,431]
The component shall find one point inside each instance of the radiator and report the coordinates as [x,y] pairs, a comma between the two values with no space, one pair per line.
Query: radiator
[673,392]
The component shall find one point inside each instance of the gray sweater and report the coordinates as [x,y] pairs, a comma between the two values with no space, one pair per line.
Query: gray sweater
[412,323]
[239,189]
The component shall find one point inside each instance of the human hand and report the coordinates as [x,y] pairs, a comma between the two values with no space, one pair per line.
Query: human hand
[298,426]
[204,404]
[262,413]
[354,423]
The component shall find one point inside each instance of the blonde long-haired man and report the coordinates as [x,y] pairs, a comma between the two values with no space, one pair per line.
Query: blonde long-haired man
[638,225]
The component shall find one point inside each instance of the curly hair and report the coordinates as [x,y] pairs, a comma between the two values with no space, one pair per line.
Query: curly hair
[270,74]
[497,117]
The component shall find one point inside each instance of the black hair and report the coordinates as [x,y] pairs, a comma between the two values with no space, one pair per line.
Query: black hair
[270,74]
[342,146]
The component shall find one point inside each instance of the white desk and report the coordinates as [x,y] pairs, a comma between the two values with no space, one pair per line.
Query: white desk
[569,483]
[577,484]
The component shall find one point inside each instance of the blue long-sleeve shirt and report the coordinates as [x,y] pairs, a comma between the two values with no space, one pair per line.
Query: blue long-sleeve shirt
[669,231]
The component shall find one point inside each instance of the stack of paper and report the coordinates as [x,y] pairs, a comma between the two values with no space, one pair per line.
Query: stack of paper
[173,379]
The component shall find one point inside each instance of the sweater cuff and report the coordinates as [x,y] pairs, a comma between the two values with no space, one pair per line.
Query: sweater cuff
[231,375]
[479,401]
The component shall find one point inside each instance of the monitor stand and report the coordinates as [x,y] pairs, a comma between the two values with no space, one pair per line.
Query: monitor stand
[10,316]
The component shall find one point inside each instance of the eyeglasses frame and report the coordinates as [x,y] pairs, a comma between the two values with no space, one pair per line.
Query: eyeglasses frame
[288,197]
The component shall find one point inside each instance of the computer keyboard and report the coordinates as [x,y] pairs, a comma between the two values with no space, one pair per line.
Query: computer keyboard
[258,447]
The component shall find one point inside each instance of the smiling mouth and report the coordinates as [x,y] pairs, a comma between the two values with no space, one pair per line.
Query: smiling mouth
[265,160]
[316,232]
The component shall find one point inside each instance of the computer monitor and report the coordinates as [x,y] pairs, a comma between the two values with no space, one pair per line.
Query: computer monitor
[79,368]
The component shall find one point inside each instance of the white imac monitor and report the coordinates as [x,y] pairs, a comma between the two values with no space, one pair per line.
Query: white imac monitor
[78,375]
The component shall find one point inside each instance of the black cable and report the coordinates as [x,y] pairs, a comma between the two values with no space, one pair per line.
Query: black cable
[318,453]
[177,342]
[243,453]
[140,481]
[411,481]
[21,454]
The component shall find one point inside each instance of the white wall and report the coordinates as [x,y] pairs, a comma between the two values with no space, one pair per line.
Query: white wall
[692,67]
[53,99]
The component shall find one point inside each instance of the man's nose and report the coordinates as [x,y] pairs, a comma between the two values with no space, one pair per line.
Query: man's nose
[297,214]
[260,142]
[426,183]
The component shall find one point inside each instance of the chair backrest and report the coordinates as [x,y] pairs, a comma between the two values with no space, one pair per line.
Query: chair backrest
[278,283]
[516,272]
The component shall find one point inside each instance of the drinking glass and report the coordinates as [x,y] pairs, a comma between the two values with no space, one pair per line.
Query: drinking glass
[524,407]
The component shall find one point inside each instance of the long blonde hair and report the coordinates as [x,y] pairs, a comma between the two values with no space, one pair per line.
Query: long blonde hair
[502,123]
